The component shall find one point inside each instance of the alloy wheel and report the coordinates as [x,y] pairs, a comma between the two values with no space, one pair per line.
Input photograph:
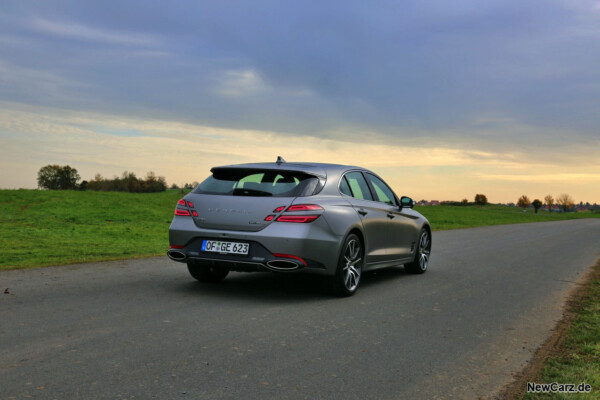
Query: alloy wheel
[424,250]
[352,268]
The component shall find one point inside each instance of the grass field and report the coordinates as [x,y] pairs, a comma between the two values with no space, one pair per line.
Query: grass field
[40,228]
[456,217]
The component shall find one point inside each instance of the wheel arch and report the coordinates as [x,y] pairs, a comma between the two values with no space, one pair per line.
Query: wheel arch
[428,229]
[360,235]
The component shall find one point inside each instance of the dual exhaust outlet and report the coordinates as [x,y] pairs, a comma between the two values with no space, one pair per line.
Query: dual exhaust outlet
[176,255]
[275,265]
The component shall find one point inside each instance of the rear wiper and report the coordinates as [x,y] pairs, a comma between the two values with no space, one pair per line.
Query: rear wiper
[250,192]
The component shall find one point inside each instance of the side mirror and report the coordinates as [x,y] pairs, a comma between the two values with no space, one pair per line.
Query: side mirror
[406,201]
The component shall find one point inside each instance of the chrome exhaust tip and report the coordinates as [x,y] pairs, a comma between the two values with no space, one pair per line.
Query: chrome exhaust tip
[176,255]
[282,265]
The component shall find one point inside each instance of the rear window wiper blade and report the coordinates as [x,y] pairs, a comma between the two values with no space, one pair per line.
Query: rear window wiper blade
[250,192]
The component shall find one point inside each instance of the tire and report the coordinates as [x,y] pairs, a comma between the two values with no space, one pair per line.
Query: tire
[422,254]
[205,272]
[350,266]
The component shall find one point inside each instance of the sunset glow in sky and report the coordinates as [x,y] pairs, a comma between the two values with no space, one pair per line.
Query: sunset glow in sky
[443,99]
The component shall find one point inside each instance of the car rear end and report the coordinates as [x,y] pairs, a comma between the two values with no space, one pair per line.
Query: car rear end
[256,218]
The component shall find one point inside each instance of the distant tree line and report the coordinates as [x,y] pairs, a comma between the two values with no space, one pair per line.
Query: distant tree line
[128,182]
[480,200]
[187,186]
[564,201]
[56,177]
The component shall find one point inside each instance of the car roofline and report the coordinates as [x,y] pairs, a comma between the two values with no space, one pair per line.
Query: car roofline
[318,169]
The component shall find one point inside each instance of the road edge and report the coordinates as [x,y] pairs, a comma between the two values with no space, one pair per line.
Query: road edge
[552,346]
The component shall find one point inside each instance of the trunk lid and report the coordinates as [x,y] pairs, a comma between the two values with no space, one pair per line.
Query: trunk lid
[235,213]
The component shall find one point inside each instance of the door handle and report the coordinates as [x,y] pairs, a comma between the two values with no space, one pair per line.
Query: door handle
[362,212]
[390,215]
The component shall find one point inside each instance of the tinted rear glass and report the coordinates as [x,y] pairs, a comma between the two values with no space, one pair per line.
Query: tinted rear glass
[252,182]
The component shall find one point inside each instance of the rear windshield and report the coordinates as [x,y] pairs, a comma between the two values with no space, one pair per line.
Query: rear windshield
[252,182]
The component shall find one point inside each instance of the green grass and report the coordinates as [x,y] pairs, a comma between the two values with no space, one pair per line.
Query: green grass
[40,227]
[579,356]
[456,217]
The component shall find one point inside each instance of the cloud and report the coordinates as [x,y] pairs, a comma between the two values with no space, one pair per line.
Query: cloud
[499,82]
[240,83]
[75,31]
[183,152]
[587,178]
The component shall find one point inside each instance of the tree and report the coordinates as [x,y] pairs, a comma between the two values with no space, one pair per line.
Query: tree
[536,205]
[565,201]
[480,199]
[55,177]
[523,201]
[549,201]
[154,183]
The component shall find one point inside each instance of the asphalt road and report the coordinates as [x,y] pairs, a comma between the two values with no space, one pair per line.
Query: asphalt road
[143,329]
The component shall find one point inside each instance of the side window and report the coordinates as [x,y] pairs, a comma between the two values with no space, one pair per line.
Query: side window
[344,188]
[382,192]
[358,186]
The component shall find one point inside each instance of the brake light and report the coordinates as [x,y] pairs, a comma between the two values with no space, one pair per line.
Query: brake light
[183,213]
[194,213]
[290,256]
[269,217]
[279,209]
[181,202]
[305,207]
[302,219]
[190,204]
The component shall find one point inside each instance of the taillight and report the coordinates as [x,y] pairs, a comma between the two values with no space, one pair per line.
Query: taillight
[269,217]
[176,246]
[185,213]
[279,209]
[302,219]
[305,207]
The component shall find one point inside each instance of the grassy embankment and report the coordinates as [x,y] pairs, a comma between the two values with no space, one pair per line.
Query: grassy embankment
[577,359]
[39,228]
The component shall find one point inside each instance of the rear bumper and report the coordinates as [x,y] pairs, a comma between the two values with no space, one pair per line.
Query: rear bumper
[270,248]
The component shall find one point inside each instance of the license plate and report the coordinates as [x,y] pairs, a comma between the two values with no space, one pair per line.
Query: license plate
[215,246]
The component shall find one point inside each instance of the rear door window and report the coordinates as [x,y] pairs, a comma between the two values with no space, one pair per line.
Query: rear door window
[358,186]
[252,182]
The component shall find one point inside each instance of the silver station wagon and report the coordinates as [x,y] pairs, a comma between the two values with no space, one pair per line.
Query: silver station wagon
[334,220]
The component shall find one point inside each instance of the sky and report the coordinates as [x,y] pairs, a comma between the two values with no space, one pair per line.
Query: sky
[443,99]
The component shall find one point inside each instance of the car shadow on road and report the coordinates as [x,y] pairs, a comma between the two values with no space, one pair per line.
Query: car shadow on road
[280,287]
